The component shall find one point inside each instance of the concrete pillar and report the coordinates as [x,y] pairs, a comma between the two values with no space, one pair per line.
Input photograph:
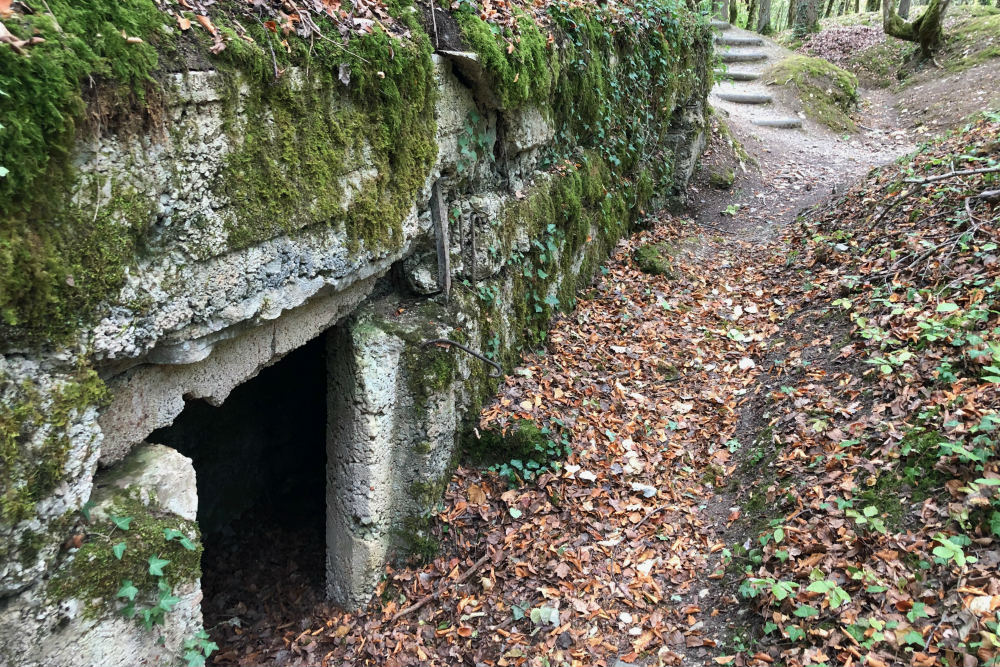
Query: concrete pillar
[363,368]
[391,436]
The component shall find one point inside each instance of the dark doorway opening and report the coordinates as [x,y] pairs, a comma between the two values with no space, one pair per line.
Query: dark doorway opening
[260,460]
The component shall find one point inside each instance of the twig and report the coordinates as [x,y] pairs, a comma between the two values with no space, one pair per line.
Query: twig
[274,60]
[896,201]
[434,20]
[952,174]
[313,28]
[436,594]
[937,626]
[649,515]
[54,19]
[446,341]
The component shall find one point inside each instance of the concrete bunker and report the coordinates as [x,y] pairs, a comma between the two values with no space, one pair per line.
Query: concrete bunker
[260,459]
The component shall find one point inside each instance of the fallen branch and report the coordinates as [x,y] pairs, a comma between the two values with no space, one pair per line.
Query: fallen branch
[952,174]
[436,594]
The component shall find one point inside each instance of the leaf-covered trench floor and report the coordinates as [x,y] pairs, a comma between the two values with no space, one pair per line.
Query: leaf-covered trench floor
[783,452]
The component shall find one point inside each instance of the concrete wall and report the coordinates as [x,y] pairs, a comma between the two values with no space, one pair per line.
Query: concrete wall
[197,318]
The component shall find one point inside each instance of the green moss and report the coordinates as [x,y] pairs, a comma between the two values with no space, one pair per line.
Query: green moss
[95,575]
[519,75]
[301,138]
[65,245]
[882,65]
[722,179]
[42,87]
[523,439]
[54,273]
[973,40]
[30,471]
[59,257]
[827,92]
[656,259]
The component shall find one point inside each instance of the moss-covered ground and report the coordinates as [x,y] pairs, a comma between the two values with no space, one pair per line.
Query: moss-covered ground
[828,93]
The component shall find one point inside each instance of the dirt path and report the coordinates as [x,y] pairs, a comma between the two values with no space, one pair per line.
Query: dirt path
[794,167]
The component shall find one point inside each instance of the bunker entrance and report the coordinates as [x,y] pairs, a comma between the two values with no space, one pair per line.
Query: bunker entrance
[260,460]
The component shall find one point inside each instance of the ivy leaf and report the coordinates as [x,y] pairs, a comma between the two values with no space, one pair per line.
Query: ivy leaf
[193,658]
[187,544]
[167,602]
[127,591]
[515,513]
[122,522]
[118,550]
[171,534]
[156,565]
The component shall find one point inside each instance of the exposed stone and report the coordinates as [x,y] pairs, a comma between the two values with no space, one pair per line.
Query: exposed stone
[159,475]
[37,631]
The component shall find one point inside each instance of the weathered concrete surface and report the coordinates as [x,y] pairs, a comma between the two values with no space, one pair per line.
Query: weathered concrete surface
[197,318]
[37,630]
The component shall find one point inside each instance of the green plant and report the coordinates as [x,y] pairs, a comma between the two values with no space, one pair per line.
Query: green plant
[532,450]
[198,648]
[950,549]
[867,518]
[473,142]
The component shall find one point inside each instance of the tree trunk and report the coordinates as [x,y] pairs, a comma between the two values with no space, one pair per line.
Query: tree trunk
[904,9]
[751,15]
[790,19]
[764,17]
[733,11]
[871,5]
[724,10]
[829,9]
[806,17]
[925,30]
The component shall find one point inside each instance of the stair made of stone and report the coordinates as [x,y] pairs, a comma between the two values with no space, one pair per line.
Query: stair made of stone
[735,52]
[751,57]
[734,75]
[727,40]
[746,98]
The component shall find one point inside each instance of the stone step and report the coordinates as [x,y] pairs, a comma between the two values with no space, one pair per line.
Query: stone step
[720,25]
[745,98]
[727,40]
[736,76]
[753,56]
[783,123]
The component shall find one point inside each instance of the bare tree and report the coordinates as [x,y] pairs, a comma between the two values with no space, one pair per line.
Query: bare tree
[925,30]
[904,9]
